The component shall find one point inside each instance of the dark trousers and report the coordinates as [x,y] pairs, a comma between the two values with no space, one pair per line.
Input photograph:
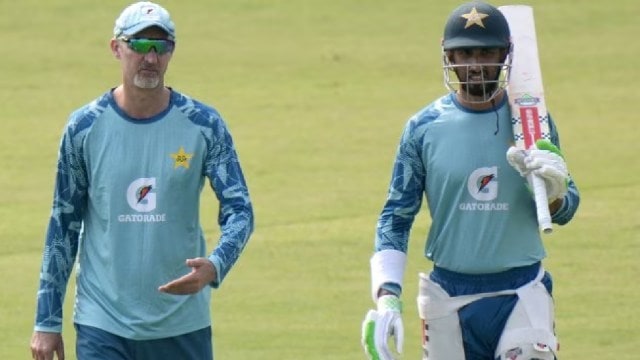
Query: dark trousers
[95,344]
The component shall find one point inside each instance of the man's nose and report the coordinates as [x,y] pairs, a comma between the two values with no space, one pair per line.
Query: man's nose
[151,56]
[474,64]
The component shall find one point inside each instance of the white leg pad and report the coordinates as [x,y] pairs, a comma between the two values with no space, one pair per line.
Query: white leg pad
[443,338]
[524,348]
[529,333]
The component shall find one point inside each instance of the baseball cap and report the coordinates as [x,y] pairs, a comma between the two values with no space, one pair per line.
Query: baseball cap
[141,15]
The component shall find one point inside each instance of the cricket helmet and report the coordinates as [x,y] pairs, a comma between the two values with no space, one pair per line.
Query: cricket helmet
[476,25]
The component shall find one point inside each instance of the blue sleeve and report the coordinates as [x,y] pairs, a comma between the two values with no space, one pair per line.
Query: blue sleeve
[405,193]
[235,215]
[61,244]
[572,198]
[393,288]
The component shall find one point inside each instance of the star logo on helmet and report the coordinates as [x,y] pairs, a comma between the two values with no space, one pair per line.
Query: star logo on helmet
[474,18]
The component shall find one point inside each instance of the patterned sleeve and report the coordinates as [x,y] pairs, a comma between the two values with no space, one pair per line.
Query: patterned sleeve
[235,215]
[405,193]
[61,244]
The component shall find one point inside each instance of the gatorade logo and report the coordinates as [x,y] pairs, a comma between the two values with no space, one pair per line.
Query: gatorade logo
[482,185]
[141,194]
[141,197]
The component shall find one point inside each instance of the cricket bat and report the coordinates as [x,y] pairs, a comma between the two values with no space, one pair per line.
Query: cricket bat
[529,116]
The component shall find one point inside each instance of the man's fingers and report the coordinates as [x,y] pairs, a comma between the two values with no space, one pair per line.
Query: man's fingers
[60,353]
[180,286]
[59,350]
[202,273]
[194,263]
[43,355]
[46,345]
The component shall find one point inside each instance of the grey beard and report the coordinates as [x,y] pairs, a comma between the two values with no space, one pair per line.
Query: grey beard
[146,82]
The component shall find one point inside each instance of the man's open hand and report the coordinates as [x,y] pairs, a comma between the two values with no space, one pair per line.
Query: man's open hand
[202,273]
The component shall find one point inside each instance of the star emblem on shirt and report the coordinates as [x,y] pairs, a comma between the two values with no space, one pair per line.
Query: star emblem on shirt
[181,158]
[474,18]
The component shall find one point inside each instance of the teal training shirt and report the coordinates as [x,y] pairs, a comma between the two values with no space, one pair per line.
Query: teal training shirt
[126,202]
[483,215]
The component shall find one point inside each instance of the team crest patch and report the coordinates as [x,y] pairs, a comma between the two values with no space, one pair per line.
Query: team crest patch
[181,158]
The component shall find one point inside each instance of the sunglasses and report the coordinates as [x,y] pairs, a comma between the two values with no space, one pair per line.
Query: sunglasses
[144,46]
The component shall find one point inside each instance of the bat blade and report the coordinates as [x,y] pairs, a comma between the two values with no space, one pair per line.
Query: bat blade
[529,118]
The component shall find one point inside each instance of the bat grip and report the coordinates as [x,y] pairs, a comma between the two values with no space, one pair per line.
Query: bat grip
[542,203]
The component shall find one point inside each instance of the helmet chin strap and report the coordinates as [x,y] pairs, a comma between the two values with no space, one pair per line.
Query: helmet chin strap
[495,111]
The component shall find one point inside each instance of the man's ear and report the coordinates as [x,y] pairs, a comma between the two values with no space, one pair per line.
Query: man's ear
[449,55]
[503,55]
[115,48]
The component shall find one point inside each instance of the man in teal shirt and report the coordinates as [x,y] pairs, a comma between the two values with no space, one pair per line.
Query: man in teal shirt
[488,295]
[132,164]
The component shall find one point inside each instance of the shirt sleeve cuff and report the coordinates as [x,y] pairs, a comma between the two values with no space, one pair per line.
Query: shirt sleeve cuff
[217,264]
[393,288]
[50,329]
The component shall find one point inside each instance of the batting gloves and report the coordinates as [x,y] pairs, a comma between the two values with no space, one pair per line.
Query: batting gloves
[380,325]
[544,160]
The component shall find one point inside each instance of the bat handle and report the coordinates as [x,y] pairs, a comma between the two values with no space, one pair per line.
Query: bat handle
[542,203]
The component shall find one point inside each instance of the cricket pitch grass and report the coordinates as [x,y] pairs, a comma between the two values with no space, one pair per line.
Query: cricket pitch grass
[316,94]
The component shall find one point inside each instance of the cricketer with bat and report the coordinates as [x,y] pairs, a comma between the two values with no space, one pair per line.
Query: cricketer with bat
[488,295]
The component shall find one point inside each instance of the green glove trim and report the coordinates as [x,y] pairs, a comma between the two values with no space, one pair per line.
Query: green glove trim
[370,329]
[544,144]
[390,302]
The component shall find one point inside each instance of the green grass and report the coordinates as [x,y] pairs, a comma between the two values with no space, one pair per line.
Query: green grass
[316,93]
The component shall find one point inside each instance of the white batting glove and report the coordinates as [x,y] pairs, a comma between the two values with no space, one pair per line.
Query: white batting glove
[515,158]
[382,324]
[544,160]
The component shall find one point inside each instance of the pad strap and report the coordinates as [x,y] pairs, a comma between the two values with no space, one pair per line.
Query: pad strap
[442,305]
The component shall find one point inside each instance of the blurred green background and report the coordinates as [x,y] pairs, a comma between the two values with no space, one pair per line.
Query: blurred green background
[316,93]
